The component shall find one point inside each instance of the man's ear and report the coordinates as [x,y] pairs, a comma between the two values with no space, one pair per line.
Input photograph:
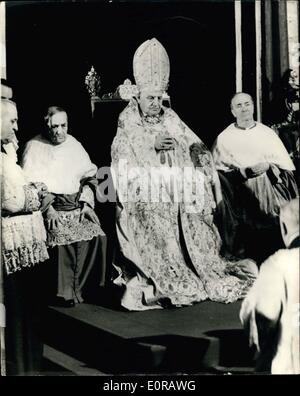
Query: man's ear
[233,113]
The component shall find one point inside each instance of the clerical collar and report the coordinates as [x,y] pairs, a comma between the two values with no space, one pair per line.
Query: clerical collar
[245,129]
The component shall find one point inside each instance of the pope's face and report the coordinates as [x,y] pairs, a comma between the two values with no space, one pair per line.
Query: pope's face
[9,124]
[151,101]
[242,107]
[58,128]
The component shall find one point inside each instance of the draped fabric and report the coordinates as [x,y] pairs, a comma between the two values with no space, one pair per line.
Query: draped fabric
[275,60]
[61,167]
[240,148]
[68,172]
[169,249]
[253,203]
[13,181]
[23,246]
[23,234]
[25,306]
[236,149]
[274,299]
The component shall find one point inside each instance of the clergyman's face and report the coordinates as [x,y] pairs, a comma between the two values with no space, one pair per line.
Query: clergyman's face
[9,124]
[58,128]
[151,101]
[242,107]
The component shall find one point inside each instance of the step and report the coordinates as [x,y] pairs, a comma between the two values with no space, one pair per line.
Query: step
[67,365]
[187,340]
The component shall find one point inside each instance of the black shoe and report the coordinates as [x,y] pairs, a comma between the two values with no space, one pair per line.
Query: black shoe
[61,302]
[69,303]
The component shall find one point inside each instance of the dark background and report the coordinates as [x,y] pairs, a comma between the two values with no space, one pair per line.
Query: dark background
[52,45]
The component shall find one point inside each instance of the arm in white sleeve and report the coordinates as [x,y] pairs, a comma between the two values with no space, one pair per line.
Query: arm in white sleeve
[87,196]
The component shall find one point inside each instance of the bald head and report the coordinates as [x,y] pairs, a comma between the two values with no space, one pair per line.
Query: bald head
[289,220]
[6,104]
[242,108]
[240,95]
[9,121]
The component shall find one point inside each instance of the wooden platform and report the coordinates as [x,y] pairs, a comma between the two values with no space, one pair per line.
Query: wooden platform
[96,340]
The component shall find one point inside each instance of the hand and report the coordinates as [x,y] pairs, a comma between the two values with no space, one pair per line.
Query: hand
[198,148]
[164,143]
[89,214]
[245,269]
[199,155]
[42,190]
[257,169]
[52,218]
[202,160]
[249,268]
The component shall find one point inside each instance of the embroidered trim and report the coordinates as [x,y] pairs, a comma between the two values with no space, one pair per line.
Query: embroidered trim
[24,256]
[152,119]
[32,202]
[71,229]
[22,230]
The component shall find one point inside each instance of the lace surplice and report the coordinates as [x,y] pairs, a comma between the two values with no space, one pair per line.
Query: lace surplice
[23,231]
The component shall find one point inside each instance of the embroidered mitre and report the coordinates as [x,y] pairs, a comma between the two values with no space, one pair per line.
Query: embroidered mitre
[151,66]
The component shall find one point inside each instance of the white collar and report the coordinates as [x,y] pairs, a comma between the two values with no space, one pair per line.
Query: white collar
[245,129]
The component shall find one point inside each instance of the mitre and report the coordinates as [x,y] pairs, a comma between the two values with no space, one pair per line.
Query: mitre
[151,66]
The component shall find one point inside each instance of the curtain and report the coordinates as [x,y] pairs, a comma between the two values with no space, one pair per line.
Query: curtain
[275,62]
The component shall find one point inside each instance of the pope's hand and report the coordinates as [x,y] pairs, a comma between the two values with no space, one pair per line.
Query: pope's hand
[164,143]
